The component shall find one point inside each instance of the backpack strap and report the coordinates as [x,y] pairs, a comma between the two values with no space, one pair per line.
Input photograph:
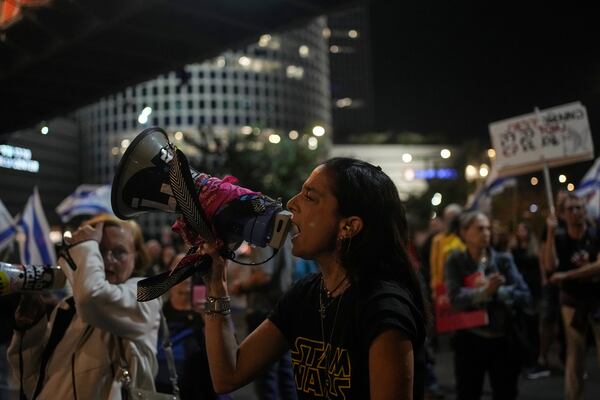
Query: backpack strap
[61,323]
[168,348]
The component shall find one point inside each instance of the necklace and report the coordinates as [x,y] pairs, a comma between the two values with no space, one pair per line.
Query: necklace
[324,304]
[329,293]
[328,347]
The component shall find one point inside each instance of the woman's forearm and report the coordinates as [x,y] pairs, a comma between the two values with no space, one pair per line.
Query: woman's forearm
[585,271]
[221,347]
[549,254]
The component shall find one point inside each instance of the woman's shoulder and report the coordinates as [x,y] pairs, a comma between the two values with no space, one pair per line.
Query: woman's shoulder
[388,302]
[380,288]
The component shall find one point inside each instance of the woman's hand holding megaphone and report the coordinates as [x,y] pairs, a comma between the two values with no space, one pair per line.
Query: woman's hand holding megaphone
[216,276]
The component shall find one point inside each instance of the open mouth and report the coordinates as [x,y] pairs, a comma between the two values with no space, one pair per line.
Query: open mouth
[294,231]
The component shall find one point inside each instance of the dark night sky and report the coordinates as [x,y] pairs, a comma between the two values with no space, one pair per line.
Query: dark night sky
[440,68]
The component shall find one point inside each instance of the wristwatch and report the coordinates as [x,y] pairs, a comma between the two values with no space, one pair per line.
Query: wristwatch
[218,305]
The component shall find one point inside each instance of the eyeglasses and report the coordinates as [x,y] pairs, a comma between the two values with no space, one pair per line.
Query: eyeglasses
[574,208]
[118,254]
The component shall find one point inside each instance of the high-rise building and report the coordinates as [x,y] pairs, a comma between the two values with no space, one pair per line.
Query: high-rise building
[279,85]
[350,66]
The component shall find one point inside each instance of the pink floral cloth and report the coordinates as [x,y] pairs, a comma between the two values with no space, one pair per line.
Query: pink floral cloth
[212,194]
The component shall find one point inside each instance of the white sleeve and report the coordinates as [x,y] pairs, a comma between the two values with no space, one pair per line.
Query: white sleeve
[112,308]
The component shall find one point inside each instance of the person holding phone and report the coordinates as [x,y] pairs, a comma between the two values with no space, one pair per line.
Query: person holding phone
[74,354]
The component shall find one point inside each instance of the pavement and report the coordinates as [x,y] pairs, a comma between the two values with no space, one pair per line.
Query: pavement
[550,388]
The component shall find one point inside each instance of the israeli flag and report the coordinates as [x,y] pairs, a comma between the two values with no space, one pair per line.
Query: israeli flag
[35,245]
[86,200]
[7,227]
[492,187]
[589,189]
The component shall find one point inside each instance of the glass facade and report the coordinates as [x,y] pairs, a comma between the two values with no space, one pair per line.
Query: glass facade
[278,84]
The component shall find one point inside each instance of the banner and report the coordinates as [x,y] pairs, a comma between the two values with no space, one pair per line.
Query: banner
[7,227]
[86,200]
[35,246]
[560,135]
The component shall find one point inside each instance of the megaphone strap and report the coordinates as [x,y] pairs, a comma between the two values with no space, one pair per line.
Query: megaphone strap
[182,185]
[157,285]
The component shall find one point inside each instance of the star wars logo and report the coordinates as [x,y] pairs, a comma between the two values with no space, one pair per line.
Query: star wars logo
[310,359]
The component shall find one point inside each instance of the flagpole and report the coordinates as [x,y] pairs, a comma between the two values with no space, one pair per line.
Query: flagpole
[547,182]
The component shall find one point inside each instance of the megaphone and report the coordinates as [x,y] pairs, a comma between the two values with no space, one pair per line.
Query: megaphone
[154,176]
[26,278]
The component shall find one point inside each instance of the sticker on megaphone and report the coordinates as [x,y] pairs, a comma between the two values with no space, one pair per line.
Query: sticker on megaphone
[26,278]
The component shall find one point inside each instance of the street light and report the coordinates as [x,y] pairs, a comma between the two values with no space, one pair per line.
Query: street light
[471,172]
[562,178]
[318,130]
[484,170]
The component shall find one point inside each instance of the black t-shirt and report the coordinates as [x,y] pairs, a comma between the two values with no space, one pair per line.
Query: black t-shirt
[573,254]
[529,267]
[351,322]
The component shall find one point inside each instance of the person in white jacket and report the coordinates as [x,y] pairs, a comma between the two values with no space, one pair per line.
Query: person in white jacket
[74,354]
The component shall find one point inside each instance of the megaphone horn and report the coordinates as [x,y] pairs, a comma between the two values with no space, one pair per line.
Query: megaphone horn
[153,176]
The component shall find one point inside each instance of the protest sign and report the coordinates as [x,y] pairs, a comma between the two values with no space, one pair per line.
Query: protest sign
[555,136]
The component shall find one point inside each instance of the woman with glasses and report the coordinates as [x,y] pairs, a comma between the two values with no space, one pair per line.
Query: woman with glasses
[78,352]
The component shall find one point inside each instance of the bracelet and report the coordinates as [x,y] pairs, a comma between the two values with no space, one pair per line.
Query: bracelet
[218,305]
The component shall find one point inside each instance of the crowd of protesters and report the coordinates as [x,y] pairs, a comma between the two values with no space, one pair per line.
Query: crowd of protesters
[536,289]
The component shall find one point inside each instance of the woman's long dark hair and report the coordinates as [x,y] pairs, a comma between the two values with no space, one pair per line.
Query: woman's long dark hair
[379,250]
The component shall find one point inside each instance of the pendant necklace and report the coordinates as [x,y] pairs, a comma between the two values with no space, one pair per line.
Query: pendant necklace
[322,310]
[323,305]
